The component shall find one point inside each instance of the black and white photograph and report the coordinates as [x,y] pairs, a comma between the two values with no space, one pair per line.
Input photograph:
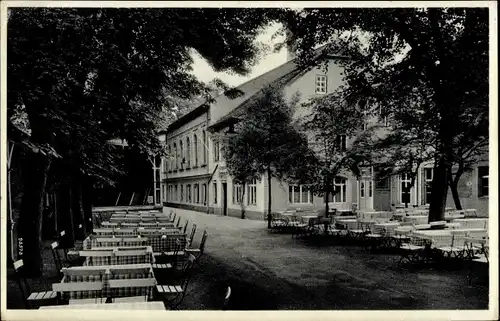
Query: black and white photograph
[332,159]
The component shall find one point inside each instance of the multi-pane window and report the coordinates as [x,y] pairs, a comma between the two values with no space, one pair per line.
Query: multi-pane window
[163,193]
[340,190]
[204,194]
[175,156]
[237,194]
[299,194]
[175,192]
[188,193]
[362,189]
[382,183]
[405,191]
[341,142]
[252,192]
[181,153]
[204,147]
[195,149]
[428,175]
[215,191]
[370,188]
[483,172]
[169,158]
[196,192]
[188,153]
[321,84]
[216,151]
[182,193]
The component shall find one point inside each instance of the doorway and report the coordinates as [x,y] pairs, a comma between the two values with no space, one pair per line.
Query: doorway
[365,191]
[224,198]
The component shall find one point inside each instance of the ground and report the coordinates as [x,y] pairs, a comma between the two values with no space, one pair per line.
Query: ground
[273,271]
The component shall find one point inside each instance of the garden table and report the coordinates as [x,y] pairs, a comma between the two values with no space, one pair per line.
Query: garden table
[416,219]
[472,222]
[389,228]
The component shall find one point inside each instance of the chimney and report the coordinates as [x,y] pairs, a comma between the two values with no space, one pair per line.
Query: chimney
[291,49]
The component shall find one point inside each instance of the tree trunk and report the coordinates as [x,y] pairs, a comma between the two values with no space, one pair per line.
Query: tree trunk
[456,197]
[77,208]
[35,170]
[327,196]
[242,202]
[65,217]
[269,217]
[439,190]
[87,205]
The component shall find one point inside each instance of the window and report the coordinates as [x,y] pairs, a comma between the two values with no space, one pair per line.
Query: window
[382,183]
[428,174]
[188,153]
[362,189]
[215,192]
[370,188]
[483,172]
[175,156]
[163,193]
[188,193]
[196,193]
[216,151]
[195,147]
[405,195]
[340,142]
[204,147]
[321,84]
[181,154]
[175,192]
[299,194]
[340,189]
[252,192]
[204,194]
[169,158]
[237,194]
[182,193]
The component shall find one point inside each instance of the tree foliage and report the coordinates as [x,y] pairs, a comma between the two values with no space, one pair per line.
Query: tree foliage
[436,58]
[85,76]
[265,141]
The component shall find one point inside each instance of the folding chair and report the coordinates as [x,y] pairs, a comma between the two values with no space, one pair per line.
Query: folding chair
[414,250]
[481,257]
[173,295]
[185,227]
[178,222]
[191,236]
[145,285]
[197,253]
[34,299]
[64,291]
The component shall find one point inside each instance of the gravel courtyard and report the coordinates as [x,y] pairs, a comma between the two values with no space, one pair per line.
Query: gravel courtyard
[273,271]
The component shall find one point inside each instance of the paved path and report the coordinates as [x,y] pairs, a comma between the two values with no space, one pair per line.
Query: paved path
[271,271]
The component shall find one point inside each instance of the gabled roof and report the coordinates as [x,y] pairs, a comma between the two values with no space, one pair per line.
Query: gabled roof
[277,77]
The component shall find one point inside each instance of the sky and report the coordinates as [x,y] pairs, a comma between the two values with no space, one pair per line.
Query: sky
[271,60]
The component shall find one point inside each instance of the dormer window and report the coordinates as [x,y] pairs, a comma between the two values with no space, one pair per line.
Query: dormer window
[321,84]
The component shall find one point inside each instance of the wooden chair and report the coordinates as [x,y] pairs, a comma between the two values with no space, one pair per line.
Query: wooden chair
[129,284]
[64,289]
[185,227]
[173,256]
[34,299]
[191,236]
[57,259]
[197,253]
[173,295]
[178,222]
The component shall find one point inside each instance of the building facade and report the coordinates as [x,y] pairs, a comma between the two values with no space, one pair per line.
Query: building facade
[196,176]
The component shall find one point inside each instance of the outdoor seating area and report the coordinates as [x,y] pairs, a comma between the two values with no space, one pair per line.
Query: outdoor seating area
[117,268]
[461,236]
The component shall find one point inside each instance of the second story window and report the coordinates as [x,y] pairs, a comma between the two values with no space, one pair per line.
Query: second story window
[205,142]
[483,176]
[175,156]
[321,84]
[182,159]
[341,142]
[216,151]
[188,153]
[195,147]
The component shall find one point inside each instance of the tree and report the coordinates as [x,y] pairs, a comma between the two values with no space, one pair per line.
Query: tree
[442,52]
[266,142]
[85,76]
[337,139]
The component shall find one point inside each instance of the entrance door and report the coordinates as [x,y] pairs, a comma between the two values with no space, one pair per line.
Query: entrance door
[365,185]
[224,198]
